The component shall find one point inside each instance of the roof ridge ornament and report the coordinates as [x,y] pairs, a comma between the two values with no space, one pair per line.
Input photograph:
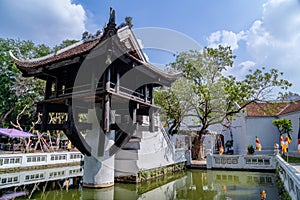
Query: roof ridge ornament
[128,22]
[112,16]
[86,36]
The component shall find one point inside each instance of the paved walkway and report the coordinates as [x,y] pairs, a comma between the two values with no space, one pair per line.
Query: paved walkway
[296,166]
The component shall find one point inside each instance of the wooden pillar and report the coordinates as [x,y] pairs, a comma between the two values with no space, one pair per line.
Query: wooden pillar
[145,93]
[93,84]
[45,118]
[48,87]
[152,124]
[117,81]
[106,103]
[57,87]
[151,94]
[107,74]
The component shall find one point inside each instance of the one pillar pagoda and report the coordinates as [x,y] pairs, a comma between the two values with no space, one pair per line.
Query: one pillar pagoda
[104,85]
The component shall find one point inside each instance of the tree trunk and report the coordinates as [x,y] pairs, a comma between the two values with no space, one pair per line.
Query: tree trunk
[170,131]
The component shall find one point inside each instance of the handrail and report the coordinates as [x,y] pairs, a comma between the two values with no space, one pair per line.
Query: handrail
[290,177]
[167,138]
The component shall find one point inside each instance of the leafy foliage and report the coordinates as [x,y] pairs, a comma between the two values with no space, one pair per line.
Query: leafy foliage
[16,91]
[283,125]
[250,149]
[215,97]
[174,101]
[64,44]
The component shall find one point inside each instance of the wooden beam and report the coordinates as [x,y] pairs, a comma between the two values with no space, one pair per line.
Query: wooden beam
[118,81]
[52,107]
[53,127]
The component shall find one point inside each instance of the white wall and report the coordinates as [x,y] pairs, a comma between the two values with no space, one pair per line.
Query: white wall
[263,128]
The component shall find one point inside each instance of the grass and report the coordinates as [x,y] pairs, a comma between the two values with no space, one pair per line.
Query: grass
[291,159]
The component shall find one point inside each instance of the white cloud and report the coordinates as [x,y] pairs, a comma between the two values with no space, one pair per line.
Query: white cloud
[246,66]
[271,41]
[47,22]
[274,40]
[225,38]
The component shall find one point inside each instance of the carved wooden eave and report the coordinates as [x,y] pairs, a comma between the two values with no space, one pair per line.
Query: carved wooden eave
[65,56]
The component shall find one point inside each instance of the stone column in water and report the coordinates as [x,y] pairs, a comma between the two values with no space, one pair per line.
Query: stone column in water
[98,169]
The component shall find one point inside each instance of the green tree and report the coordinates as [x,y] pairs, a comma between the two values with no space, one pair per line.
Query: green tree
[216,97]
[16,91]
[64,44]
[174,101]
[283,125]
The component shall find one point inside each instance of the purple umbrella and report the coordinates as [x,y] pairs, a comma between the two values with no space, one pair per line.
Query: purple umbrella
[14,133]
[13,195]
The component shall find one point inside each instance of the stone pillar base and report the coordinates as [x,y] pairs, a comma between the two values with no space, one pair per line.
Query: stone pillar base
[98,174]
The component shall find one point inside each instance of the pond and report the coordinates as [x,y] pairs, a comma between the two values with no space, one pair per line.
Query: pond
[191,184]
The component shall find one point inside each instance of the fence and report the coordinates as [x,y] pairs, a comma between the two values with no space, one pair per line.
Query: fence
[242,162]
[35,176]
[290,177]
[38,159]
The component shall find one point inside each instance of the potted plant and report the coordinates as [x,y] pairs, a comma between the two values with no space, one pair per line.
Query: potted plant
[250,149]
[229,146]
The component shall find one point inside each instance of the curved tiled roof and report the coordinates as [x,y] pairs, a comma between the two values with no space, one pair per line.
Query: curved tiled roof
[84,47]
[272,109]
[68,52]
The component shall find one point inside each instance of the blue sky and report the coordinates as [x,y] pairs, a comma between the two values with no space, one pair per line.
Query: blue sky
[260,32]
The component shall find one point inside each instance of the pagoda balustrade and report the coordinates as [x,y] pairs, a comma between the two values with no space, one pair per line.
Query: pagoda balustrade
[141,95]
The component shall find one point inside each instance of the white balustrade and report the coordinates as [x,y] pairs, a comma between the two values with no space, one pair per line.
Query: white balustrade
[243,162]
[38,159]
[34,176]
[290,177]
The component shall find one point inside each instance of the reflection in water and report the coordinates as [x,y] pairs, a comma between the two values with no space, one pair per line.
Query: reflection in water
[193,184]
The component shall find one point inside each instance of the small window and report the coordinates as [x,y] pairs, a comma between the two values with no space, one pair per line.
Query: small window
[12,161]
[3,180]
[17,160]
[6,161]
[267,162]
[29,159]
[15,179]
[9,180]
[27,177]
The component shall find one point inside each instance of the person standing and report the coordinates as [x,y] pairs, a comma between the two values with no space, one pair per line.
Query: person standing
[69,145]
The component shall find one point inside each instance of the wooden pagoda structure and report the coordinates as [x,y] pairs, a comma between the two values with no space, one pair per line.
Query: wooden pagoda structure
[117,53]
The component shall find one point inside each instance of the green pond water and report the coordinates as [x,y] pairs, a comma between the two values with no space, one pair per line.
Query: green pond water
[191,184]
